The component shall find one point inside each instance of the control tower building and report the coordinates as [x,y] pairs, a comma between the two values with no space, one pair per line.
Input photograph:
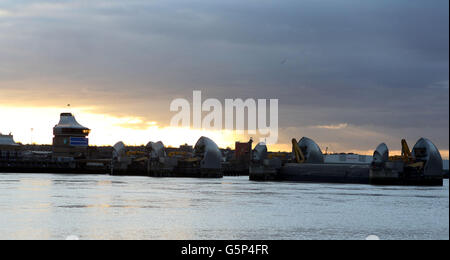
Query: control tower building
[70,138]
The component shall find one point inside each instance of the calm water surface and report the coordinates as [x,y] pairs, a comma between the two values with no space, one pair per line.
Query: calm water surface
[37,206]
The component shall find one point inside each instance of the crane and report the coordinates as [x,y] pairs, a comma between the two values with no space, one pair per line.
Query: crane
[406,155]
[299,157]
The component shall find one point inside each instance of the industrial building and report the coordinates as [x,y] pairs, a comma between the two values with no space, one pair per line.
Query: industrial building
[9,149]
[70,138]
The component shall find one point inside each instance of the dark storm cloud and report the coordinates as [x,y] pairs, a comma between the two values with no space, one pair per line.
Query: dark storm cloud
[370,64]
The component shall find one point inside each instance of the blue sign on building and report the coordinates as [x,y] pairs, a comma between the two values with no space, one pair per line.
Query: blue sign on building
[79,141]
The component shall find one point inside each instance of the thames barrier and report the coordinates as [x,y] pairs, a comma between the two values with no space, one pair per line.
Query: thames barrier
[71,153]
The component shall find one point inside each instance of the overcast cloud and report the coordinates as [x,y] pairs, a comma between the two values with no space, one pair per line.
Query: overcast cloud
[373,67]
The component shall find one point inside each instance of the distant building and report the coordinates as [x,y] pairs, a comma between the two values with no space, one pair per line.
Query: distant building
[8,148]
[186,148]
[70,138]
[7,140]
[243,151]
[348,158]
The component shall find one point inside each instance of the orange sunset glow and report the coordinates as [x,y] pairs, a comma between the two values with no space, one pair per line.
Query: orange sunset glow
[34,125]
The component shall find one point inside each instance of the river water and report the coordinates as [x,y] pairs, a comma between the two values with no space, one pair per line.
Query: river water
[45,206]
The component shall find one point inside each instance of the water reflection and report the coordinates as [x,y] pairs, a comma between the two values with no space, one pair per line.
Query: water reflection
[104,207]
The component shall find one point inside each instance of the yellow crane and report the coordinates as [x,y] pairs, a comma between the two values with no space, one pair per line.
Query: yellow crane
[179,153]
[299,157]
[406,155]
[280,155]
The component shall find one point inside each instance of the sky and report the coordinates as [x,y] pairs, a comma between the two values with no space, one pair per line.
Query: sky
[349,74]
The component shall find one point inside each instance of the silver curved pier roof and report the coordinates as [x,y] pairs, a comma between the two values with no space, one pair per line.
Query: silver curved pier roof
[210,152]
[311,150]
[156,149]
[425,150]
[260,152]
[119,150]
[381,154]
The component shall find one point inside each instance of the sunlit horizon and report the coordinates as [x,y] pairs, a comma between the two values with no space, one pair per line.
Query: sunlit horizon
[34,125]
